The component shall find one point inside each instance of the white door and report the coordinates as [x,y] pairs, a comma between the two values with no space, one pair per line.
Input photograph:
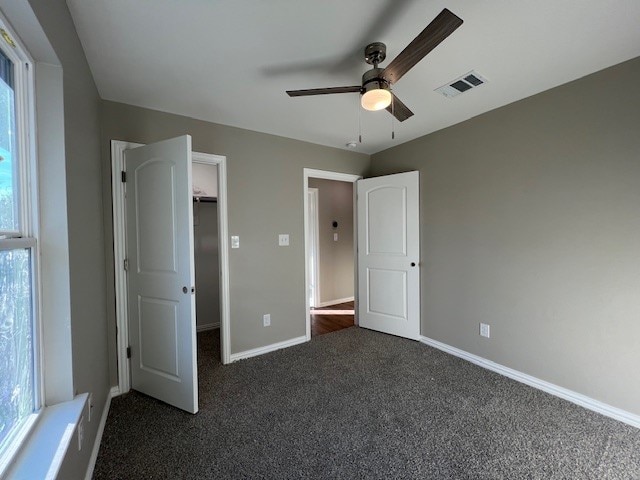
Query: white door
[161,279]
[389,255]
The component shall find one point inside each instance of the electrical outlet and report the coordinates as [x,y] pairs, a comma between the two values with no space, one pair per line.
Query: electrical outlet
[485,330]
[80,432]
[283,239]
[266,319]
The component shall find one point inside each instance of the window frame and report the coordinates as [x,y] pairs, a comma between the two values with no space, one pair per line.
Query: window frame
[27,235]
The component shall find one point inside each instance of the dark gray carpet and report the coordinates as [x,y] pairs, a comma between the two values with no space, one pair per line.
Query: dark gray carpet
[359,404]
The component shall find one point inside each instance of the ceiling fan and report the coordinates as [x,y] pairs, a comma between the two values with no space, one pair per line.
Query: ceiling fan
[376,83]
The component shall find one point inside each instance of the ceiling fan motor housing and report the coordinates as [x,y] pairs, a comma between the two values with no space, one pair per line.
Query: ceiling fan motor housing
[372,80]
[375,53]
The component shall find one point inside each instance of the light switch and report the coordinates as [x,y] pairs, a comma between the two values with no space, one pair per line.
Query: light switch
[235,241]
[283,239]
[335,237]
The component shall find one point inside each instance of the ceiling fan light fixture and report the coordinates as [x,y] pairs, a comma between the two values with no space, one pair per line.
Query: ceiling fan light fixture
[376,99]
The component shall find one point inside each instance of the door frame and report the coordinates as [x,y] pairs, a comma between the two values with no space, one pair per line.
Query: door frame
[118,189]
[341,177]
[314,242]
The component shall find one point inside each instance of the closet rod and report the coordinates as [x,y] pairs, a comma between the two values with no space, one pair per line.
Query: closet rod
[205,199]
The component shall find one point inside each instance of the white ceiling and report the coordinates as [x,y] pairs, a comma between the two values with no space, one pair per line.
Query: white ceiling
[230,61]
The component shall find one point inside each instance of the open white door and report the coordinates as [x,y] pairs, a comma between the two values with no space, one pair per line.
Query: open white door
[389,254]
[161,279]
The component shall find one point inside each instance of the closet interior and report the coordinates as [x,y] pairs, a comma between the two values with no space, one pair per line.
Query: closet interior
[206,244]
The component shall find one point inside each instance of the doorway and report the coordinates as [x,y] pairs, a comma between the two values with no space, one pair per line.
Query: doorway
[206,261]
[330,245]
[120,253]
[314,247]
[206,245]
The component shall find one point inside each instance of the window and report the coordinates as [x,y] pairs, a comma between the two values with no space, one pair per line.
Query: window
[19,372]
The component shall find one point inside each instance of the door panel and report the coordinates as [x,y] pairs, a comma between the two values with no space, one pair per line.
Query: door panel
[386,292]
[388,246]
[155,183]
[386,221]
[161,274]
[158,336]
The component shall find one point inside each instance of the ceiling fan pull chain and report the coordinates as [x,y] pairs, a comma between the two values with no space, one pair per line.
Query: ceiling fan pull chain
[359,122]
[393,117]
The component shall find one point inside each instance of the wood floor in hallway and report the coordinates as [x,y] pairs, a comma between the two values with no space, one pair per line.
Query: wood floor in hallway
[331,321]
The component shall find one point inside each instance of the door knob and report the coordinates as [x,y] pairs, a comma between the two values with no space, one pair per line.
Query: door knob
[413,264]
[185,289]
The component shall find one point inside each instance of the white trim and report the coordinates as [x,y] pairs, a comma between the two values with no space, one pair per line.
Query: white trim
[574,397]
[55,297]
[47,447]
[61,452]
[336,302]
[326,175]
[17,243]
[114,392]
[268,348]
[118,190]
[314,241]
[207,326]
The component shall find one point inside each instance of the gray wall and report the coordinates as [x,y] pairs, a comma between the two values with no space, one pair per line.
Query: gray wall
[265,195]
[335,202]
[84,205]
[530,222]
[207,262]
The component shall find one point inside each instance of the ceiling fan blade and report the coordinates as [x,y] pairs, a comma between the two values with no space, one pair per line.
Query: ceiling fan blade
[379,28]
[440,28]
[323,91]
[399,109]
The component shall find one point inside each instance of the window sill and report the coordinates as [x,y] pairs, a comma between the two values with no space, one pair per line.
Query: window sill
[47,445]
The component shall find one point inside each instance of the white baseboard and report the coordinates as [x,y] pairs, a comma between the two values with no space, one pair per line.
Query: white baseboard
[207,326]
[114,392]
[335,302]
[574,397]
[268,348]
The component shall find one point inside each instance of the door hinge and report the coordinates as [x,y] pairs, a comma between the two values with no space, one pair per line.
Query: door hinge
[126,264]
[123,176]
[128,352]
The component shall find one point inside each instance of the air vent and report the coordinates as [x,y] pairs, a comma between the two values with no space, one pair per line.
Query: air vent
[460,85]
